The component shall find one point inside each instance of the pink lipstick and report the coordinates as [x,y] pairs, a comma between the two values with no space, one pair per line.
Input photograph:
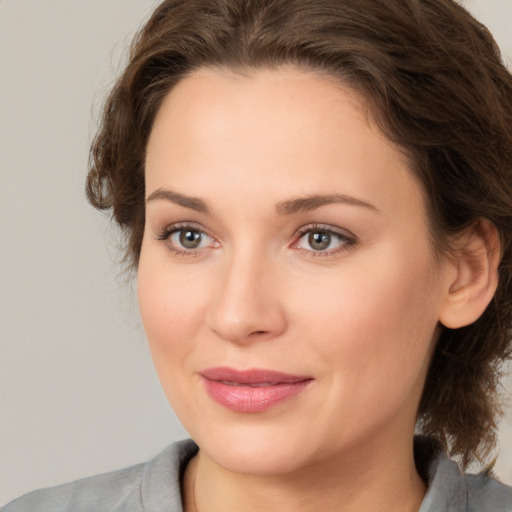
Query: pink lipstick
[251,390]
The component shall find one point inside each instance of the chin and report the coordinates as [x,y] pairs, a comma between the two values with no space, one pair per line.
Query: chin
[256,449]
[255,458]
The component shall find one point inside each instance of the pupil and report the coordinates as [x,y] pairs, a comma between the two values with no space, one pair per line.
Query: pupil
[319,240]
[190,239]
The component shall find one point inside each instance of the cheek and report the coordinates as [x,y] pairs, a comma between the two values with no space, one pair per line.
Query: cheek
[171,309]
[374,327]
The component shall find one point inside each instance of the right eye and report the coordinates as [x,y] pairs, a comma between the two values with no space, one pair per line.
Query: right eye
[186,240]
[189,238]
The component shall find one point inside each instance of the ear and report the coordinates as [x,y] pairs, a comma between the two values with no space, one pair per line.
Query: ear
[471,286]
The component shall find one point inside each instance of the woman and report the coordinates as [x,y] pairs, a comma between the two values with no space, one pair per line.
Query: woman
[317,197]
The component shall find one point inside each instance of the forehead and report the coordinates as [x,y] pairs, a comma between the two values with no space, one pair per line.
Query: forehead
[280,131]
[286,94]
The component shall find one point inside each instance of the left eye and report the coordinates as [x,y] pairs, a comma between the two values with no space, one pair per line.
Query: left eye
[322,240]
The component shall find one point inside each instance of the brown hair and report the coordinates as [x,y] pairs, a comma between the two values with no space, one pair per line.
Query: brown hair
[435,82]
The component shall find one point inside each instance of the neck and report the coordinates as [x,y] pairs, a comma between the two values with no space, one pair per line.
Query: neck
[385,480]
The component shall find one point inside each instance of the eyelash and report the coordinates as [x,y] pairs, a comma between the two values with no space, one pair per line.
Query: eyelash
[167,232]
[347,240]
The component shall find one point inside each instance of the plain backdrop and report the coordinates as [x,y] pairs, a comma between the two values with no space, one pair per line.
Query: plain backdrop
[78,394]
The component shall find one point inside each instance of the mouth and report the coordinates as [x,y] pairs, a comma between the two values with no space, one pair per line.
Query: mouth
[252,391]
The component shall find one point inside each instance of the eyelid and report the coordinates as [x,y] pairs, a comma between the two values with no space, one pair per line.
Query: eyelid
[349,239]
[168,229]
[164,235]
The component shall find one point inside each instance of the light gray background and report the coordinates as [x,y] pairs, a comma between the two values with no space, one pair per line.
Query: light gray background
[78,394]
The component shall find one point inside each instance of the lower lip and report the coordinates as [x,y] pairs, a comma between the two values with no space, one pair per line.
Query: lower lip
[250,399]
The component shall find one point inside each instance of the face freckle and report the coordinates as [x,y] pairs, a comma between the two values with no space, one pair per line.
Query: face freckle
[309,256]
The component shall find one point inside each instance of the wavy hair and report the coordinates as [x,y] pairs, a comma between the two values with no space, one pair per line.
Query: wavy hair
[436,85]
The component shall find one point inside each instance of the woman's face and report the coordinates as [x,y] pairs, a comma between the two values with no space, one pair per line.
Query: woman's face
[286,280]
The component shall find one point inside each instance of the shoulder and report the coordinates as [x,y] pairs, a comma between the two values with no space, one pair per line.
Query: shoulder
[120,486]
[451,490]
[487,494]
[152,486]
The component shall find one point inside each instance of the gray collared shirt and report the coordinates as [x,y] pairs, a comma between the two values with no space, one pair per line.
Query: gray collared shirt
[155,487]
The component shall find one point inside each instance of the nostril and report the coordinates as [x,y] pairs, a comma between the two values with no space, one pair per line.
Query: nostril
[258,333]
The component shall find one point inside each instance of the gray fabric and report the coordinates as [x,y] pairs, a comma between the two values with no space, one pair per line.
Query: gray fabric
[451,491]
[149,487]
[154,487]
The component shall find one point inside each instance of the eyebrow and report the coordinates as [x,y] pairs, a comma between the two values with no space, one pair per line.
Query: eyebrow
[308,203]
[193,203]
[288,207]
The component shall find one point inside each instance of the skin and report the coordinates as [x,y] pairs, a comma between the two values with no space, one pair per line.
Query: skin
[361,317]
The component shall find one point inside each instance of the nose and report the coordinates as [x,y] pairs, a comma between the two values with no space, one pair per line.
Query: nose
[246,306]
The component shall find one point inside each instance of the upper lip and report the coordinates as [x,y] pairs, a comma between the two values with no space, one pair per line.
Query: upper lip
[251,376]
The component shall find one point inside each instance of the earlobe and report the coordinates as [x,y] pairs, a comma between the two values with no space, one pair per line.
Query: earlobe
[473,284]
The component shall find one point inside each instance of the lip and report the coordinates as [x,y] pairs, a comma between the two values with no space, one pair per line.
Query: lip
[254,390]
